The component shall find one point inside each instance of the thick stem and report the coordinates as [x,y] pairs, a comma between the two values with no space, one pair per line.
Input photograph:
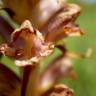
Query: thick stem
[30,77]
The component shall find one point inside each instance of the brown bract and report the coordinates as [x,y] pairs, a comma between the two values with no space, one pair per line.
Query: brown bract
[27,45]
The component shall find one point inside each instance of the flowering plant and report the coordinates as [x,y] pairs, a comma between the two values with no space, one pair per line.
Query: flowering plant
[44,25]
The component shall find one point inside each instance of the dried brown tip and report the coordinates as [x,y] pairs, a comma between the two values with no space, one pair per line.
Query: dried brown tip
[60,90]
[72,29]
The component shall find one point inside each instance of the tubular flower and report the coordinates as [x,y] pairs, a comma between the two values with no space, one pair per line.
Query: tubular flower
[27,45]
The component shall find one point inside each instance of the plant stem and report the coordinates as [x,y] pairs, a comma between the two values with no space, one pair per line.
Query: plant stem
[30,77]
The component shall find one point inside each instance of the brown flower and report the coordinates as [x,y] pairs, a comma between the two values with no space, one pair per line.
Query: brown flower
[60,90]
[60,67]
[27,45]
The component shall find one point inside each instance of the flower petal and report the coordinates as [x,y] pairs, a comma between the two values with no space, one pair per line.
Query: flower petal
[27,45]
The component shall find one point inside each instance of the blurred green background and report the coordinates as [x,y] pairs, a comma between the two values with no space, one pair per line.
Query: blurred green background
[85,84]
